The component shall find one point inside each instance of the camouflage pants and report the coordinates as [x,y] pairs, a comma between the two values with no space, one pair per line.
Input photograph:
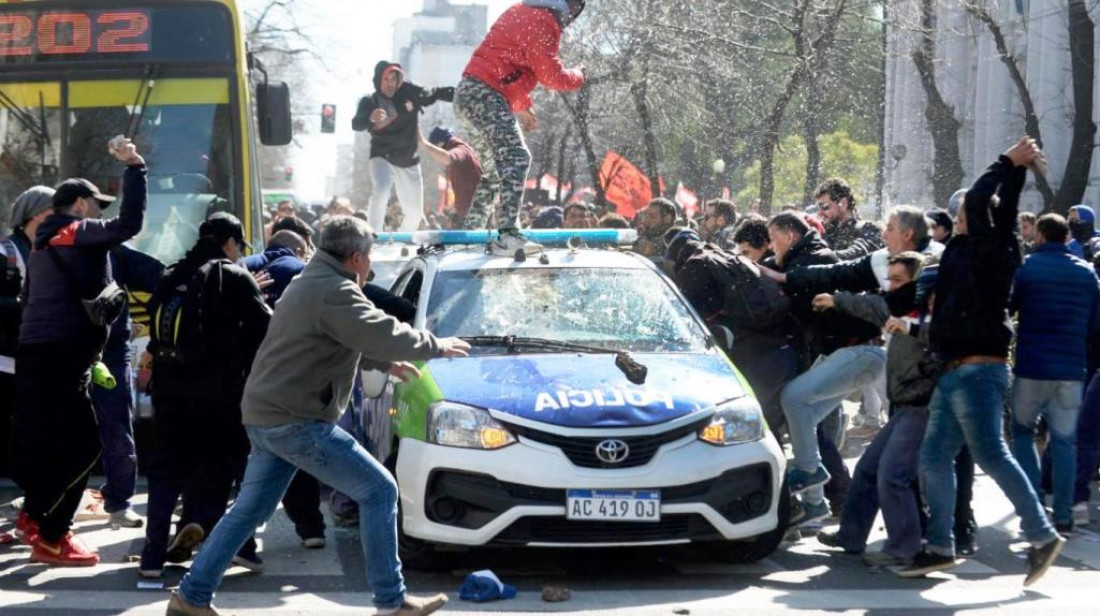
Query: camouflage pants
[495,134]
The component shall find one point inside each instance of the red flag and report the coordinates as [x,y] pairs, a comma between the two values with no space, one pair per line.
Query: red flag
[548,183]
[688,200]
[625,185]
[530,184]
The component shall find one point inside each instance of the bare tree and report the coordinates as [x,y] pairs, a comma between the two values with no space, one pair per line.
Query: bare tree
[947,170]
[1075,176]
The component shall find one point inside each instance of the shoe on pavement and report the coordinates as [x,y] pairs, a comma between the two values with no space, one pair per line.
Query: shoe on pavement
[177,606]
[252,562]
[69,552]
[313,543]
[884,559]
[126,518]
[183,544]
[799,481]
[966,544]
[927,562]
[416,606]
[832,540]
[815,512]
[1081,514]
[26,528]
[1041,558]
[511,241]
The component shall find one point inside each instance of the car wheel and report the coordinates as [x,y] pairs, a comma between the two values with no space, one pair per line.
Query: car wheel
[415,554]
[759,547]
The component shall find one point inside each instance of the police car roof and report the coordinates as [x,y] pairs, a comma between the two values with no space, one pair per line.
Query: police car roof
[476,259]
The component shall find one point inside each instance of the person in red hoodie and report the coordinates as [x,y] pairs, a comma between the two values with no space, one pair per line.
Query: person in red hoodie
[493,101]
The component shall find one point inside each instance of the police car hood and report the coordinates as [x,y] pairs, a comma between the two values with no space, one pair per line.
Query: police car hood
[588,391]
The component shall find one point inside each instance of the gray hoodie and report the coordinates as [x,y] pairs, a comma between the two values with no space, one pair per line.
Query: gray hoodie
[322,331]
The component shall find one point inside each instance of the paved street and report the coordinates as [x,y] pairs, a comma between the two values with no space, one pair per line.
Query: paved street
[804,577]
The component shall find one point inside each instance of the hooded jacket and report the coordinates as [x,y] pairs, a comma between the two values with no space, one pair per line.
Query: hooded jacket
[521,51]
[1085,239]
[823,332]
[396,139]
[282,264]
[53,313]
[976,271]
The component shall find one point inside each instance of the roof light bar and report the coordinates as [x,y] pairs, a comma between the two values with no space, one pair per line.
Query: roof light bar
[546,237]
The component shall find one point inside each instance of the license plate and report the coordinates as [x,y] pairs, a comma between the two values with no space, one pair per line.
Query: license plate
[613,505]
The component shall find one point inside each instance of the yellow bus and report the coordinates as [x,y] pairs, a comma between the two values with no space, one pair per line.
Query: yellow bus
[174,75]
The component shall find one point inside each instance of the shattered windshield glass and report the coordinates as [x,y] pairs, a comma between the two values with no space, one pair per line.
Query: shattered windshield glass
[618,309]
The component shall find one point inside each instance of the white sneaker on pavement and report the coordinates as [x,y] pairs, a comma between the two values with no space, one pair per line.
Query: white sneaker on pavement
[126,518]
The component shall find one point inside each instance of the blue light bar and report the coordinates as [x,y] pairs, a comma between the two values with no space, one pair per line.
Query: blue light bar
[546,237]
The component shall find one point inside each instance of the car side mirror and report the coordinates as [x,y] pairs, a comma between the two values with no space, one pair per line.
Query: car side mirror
[723,334]
[374,382]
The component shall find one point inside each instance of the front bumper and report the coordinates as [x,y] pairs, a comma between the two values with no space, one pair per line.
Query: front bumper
[516,495]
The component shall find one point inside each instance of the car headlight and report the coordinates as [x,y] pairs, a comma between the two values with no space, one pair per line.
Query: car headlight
[736,421]
[458,425]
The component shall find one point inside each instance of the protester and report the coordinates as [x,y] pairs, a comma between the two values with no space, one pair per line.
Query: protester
[884,477]
[56,440]
[720,223]
[971,332]
[391,116]
[943,225]
[752,238]
[493,101]
[655,221]
[284,258]
[285,209]
[578,216]
[324,328]
[614,221]
[549,218]
[209,317]
[847,235]
[1057,299]
[1085,239]
[1027,231]
[463,170]
[837,348]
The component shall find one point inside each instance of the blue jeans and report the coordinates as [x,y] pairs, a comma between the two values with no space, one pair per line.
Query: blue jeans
[884,478]
[1060,403]
[1088,441]
[333,457]
[113,412]
[810,398]
[968,407]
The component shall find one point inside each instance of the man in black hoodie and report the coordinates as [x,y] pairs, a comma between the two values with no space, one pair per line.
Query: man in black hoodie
[391,115]
[56,440]
[971,333]
[845,353]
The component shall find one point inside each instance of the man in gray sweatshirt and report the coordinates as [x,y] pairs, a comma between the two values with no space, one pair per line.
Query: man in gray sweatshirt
[324,329]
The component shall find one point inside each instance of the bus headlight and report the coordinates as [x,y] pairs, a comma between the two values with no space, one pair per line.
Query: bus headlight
[736,421]
[458,425]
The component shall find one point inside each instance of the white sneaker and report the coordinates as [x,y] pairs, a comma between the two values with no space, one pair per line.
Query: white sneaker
[510,241]
[126,518]
[313,543]
[151,574]
[1081,514]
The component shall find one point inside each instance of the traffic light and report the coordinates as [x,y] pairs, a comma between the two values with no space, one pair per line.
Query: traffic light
[328,118]
[288,173]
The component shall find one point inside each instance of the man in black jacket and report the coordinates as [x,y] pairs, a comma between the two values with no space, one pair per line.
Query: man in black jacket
[56,442]
[845,233]
[391,115]
[209,318]
[844,353]
[971,333]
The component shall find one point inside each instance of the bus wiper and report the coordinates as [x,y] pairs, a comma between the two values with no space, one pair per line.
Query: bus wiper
[145,90]
[635,372]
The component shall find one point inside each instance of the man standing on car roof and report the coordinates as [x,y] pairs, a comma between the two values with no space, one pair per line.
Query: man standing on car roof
[391,115]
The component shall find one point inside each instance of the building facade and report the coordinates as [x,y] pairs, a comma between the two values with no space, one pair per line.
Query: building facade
[974,80]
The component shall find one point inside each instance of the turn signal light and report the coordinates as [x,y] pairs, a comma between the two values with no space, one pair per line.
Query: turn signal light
[495,438]
[714,433]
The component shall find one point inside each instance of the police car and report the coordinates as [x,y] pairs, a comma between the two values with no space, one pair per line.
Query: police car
[595,408]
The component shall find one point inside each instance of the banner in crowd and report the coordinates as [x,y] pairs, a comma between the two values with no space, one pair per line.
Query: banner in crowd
[625,185]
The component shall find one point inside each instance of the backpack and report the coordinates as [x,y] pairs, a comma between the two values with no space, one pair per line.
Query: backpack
[184,317]
[753,303]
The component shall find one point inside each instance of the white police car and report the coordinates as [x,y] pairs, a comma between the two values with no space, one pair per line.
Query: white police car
[595,409]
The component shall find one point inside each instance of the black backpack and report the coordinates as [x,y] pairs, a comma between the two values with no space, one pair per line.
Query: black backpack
[753,303]
[184,318]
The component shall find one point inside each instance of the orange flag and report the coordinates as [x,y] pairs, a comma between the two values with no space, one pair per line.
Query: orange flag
[625,185]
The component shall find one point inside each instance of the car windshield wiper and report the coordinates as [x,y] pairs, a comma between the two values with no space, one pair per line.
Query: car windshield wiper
[141,100]
[634,371]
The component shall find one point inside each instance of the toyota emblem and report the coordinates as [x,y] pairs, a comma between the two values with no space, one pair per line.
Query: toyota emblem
[612,451]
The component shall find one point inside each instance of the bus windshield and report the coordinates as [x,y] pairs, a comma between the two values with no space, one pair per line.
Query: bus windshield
[184,132]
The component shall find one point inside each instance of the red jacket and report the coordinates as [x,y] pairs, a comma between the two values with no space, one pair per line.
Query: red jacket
[520,52]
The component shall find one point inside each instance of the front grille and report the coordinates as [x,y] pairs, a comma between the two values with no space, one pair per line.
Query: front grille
[581,451]
[677,527]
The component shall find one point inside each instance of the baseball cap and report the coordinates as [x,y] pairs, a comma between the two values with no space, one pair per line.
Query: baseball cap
[222,226]
[78,188]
